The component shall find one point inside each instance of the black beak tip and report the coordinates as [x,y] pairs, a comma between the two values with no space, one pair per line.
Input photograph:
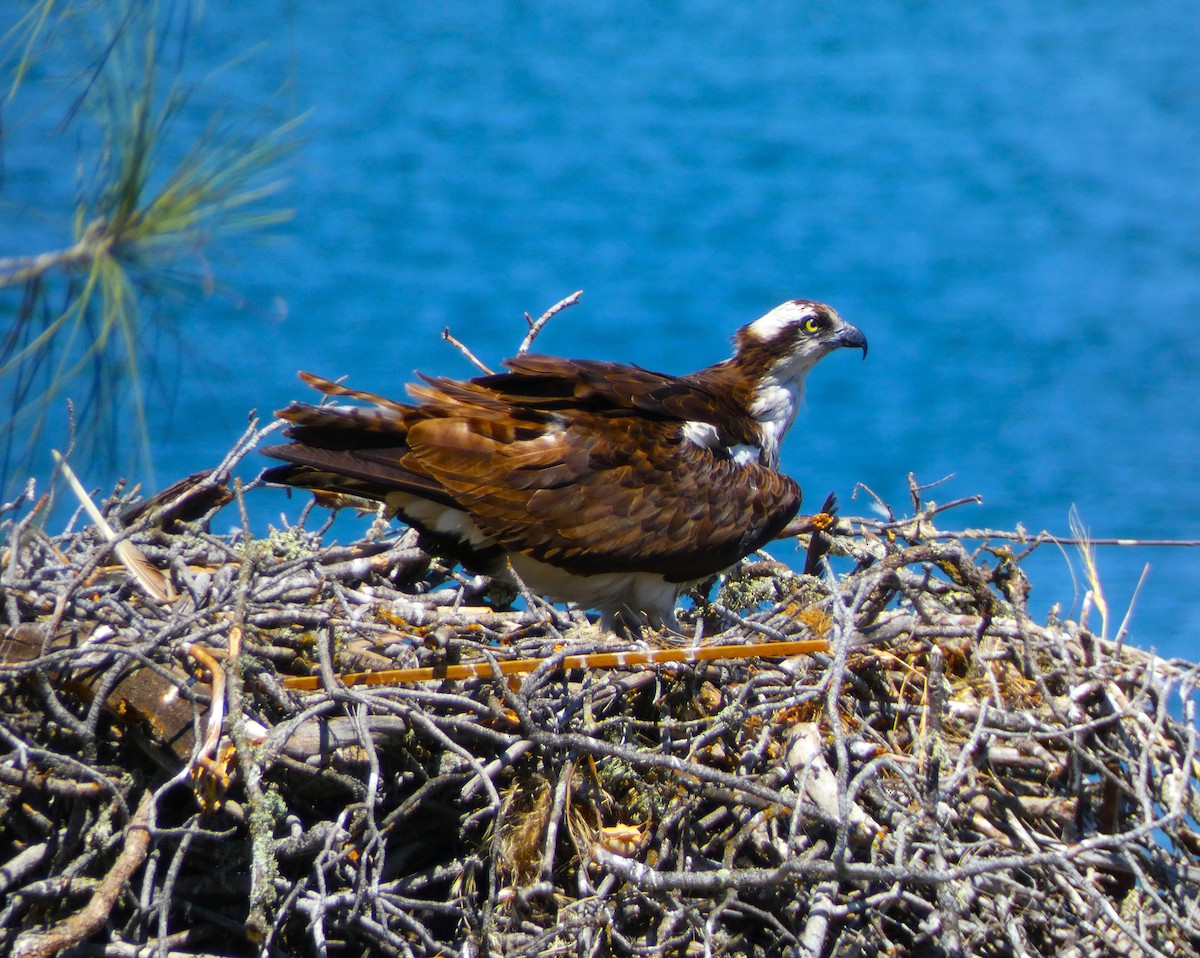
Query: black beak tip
[853,338]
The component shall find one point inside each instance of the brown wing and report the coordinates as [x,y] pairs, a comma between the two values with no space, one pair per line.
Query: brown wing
[612,388]
[576,463]
[360,450]
[594,493]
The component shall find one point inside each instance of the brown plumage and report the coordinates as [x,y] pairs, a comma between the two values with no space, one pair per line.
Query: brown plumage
[603,484]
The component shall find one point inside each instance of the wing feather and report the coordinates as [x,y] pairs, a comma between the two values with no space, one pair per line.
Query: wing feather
[579,464]
[608,495]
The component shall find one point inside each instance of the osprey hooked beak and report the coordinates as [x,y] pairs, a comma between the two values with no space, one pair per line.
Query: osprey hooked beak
[850,336]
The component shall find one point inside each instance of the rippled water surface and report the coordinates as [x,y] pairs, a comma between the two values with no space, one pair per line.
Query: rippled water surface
[1002,195]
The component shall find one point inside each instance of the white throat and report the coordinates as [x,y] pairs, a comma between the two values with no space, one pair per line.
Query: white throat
[774,407]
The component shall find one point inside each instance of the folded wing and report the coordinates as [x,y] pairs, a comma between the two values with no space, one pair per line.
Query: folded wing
[582,465]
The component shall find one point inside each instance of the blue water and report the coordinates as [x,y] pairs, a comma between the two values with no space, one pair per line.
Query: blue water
[1003,196]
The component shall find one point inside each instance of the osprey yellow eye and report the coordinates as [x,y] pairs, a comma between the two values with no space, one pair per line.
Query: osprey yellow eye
[811,325]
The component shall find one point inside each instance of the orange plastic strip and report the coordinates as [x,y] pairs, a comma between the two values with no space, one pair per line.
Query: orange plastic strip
[593,660]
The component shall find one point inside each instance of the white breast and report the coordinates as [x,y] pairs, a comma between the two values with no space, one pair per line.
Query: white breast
[775,406]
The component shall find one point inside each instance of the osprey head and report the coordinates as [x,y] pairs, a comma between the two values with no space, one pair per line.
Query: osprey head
[774,355]
[790,339]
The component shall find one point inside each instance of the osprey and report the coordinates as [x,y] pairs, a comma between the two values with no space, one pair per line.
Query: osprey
[605,485]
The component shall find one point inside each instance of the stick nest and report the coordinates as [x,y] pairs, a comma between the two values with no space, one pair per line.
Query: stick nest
[949,778]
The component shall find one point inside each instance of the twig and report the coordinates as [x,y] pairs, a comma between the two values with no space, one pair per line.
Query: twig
[95,242]
[462,348]
[81,925]
[1019,536]
[535,326]
[153,582]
